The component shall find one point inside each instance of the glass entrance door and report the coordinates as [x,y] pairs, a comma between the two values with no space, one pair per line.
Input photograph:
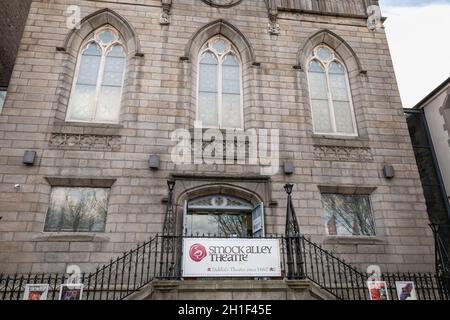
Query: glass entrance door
[222,224]
[219,215]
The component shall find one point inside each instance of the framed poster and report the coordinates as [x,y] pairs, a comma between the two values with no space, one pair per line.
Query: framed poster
[35,292]
[378,290]
[71,292]
[406,290]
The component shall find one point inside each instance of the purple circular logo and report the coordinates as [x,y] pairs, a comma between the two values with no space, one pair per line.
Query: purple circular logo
[197,252]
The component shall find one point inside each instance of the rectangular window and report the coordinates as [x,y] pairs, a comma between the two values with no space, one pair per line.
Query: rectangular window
[2,98]
[77,210]
[348,215]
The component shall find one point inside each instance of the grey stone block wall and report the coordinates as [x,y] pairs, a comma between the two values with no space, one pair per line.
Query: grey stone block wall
[159,97]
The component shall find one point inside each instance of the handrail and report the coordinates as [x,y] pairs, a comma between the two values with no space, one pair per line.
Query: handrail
[138,267]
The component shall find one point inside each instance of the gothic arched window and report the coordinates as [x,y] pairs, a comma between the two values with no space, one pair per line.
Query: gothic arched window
[97,88]
[219,100]
[331,102]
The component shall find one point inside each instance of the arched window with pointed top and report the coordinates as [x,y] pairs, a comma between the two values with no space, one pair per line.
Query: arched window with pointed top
[219,96]
[97,88]
[329,88]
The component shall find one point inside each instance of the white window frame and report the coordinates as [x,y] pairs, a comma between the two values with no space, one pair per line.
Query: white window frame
[207,47]
[326,65]
[105,50]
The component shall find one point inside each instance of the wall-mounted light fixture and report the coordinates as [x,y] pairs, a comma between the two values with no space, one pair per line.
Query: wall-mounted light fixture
[288,167]
[388,172]
[29,158]
[154,162]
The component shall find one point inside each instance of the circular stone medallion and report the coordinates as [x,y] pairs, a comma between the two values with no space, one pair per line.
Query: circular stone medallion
[222,3]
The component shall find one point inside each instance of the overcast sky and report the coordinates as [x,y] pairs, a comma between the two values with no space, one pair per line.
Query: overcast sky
[419,37]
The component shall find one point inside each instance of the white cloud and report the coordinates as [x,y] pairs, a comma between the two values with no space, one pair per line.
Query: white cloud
[419,38]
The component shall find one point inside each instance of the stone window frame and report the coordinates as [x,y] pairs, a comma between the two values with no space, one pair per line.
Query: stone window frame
[233,51]
[346,239]
[357,76]
[339,60]
[245,52]
[69,52]
[75,182]
[93,38]
[254,189]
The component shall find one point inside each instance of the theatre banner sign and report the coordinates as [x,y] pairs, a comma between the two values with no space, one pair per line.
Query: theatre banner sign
[231,257]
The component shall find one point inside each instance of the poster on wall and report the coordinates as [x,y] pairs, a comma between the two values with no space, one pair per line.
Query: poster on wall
[231,257]
[71,292]
[378,290]
[406,290]
[35,292]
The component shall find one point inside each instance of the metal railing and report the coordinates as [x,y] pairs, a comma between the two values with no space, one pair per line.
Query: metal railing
[113,281]
[332,273]
[300,259]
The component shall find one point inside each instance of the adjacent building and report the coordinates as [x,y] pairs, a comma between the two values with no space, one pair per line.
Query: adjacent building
[13,16]
[436,107]
[428,124]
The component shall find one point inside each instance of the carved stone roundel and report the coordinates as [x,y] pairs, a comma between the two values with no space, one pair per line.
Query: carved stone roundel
[222,3]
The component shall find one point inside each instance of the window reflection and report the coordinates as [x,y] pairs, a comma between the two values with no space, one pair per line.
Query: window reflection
[77,210]
[219,224]
[348,215]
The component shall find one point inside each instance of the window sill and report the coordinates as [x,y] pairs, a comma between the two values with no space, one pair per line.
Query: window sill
[87,128]
[341,141]
[353,240]
[337,136]
[89,124]
[71,237]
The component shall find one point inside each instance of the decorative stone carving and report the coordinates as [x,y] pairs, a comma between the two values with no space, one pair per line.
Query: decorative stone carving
[342,153]
[374,18]
[222,3]
[164,19]
[219,202]
[85,141]
[272,9]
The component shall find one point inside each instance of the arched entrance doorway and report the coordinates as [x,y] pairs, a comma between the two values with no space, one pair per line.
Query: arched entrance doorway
[224,216]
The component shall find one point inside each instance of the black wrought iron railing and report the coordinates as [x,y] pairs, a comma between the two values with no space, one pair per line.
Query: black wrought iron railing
[113,281]
[442,244]
[300,259]
[332,273]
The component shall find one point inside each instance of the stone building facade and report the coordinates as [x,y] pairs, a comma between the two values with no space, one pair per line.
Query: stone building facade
[273,42]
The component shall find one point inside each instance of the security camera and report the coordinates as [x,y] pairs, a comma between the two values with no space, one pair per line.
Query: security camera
[17,186]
